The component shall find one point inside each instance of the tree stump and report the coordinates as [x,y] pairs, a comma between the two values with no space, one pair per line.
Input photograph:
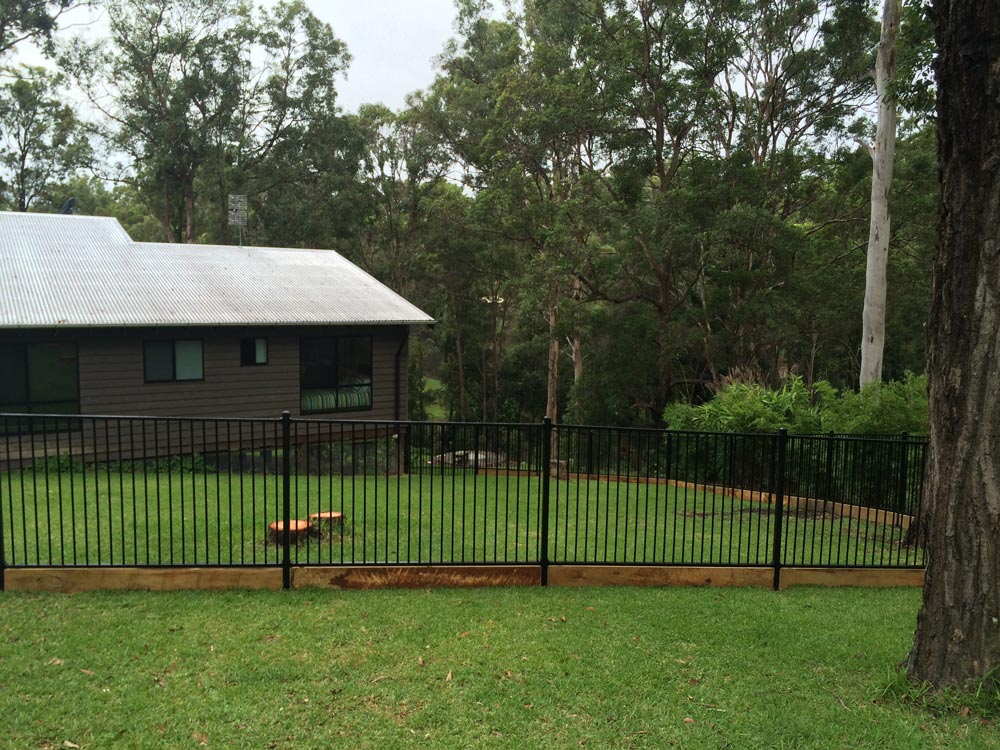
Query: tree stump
[297,530]
[329,519]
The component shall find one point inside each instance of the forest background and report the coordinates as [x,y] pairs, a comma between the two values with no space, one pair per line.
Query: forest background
[610,206]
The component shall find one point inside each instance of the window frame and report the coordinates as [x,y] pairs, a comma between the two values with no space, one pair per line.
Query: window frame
[252,342]
[173,360]
[336,339]
[31,403]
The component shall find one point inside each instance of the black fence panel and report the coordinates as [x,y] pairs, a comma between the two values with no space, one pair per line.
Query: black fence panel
[156,491]
[853,501]
[138,491]
[416,493]
[630,496]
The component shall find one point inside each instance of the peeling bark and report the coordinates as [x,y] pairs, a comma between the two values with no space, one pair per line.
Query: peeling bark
[883,155]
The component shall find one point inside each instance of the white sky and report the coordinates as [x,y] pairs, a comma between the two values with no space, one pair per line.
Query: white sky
[392,44]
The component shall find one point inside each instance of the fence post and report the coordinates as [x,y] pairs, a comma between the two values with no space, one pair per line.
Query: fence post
[546,481]
[901,504]
[286,499]
[779,505]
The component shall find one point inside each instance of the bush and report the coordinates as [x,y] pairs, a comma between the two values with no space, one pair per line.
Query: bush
[891,407]
[750,408]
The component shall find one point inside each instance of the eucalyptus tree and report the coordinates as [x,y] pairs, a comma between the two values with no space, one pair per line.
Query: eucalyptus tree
[199,93]
[794,85]
[288,133]
[461,264]
[41,138]
[31,20]
[711,115]
[516,113]
[629,138]
[168,82]
[401,164]
[883,154]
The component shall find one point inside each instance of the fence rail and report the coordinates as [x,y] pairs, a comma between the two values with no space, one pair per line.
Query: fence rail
[179,493]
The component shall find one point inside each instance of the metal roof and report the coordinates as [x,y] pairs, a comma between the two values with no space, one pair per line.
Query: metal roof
[85,271]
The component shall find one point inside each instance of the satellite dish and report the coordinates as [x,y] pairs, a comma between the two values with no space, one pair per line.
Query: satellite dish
[68,206]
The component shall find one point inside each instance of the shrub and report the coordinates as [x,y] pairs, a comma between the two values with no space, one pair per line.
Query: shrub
[891,407]
[750,408]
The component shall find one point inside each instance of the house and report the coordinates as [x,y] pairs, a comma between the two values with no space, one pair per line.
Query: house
[94,323]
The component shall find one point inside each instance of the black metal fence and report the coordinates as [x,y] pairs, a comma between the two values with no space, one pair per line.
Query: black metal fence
[155,491]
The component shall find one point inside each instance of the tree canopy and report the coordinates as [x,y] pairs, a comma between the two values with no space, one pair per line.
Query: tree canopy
[609,205]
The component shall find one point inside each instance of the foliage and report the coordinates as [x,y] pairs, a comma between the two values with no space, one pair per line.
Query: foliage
[205,92]
[666,197]
[891,407]
[41,141]
[744,407]
[34,20]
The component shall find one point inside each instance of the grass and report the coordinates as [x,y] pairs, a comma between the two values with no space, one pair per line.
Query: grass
[541,668]
[436,411]
[202,517]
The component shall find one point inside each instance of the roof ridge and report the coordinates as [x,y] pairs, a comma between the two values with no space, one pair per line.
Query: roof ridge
[240,247]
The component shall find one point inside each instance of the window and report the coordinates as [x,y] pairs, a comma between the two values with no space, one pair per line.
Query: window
[39,378]
[335,373]
[253,352]
[165,361]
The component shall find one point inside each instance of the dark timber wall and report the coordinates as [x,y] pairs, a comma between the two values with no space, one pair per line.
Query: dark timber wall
[111,371]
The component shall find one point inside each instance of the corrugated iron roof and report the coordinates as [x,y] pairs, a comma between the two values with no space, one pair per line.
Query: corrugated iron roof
[58,270]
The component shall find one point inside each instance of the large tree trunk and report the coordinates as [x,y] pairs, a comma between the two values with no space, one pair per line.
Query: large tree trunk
[883,155]
[957,640]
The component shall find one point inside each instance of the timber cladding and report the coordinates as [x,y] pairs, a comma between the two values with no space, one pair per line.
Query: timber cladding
[72,580]
[112,378]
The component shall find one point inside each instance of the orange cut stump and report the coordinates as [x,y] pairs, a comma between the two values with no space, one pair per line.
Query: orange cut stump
[297,529]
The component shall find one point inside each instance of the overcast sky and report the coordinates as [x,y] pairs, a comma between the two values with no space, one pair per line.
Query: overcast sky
[392,44]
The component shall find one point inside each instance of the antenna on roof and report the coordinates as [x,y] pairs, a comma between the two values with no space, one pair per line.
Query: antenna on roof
[238,214]
[68,206]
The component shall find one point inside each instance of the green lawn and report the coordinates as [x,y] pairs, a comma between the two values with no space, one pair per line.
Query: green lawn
[436,411]
[198,518]
[527,668]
